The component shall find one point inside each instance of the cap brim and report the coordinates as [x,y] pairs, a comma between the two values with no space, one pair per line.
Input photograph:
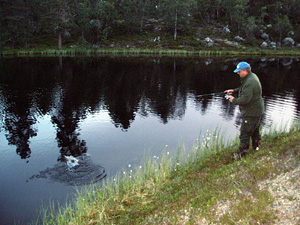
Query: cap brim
[236,70]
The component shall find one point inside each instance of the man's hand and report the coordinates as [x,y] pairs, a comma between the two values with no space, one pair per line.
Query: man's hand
[231,99]
[229,91]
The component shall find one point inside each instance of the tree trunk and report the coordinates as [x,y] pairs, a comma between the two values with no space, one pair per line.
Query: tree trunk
[175,31]
[207,18]
[59,40]
[143,16]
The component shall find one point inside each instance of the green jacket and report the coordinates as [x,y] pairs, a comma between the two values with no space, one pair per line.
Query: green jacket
[249,97]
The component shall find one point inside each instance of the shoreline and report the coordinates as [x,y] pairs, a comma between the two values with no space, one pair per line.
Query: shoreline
[152,52]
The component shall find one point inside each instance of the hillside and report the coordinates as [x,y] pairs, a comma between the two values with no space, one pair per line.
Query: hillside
[164,24]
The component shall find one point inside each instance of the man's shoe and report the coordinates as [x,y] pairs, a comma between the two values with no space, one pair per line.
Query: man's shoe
[255,145]
[240,154]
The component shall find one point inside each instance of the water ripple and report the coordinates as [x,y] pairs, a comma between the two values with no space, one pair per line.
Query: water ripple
[81,171]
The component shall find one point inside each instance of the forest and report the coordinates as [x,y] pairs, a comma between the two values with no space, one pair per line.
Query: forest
[30,23]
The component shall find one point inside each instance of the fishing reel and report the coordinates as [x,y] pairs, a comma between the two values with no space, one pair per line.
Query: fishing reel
[227,97]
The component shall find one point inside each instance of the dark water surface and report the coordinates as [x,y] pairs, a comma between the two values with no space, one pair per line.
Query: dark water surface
[68,121]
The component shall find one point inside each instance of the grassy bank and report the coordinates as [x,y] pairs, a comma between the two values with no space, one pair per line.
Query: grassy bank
[204,186]
[205,52]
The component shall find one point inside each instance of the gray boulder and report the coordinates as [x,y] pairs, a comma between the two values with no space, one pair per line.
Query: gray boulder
[272,45]
[232,43]
[264,36]
[288,41]
[226,30]
[238,38]
[209,41]
[264,45]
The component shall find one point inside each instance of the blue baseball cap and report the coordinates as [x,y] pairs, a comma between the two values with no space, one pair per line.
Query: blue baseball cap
[241,66]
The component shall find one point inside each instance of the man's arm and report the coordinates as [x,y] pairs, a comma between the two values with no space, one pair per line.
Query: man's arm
[245,97]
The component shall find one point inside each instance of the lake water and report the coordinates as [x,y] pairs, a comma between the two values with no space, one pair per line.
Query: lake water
[67,121]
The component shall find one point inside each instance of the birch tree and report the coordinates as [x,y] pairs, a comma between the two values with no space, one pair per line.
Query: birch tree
[57,18]
[176,14]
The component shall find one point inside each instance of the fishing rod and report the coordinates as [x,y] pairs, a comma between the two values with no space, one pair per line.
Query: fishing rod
[213,94]
[210,94]
[227,96]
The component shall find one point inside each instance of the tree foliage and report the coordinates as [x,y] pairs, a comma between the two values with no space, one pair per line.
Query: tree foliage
[95,21]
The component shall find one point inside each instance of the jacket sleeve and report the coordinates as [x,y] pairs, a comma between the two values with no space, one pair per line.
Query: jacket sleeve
[245,97]
[236,90]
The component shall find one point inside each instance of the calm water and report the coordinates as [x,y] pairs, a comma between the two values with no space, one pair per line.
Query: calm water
[68,121]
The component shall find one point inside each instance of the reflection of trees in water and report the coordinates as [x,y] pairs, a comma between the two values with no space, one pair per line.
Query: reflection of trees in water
[70,88]
[166,90]
[122,93]
[20,94]
[67,136]
[136,87]
[68,110]
[20,130]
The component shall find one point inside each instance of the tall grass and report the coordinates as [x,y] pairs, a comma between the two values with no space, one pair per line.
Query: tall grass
[281,127]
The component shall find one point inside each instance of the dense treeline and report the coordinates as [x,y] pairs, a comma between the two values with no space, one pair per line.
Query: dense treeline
[95,21]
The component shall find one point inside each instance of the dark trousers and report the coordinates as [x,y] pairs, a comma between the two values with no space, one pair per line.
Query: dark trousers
[249,129]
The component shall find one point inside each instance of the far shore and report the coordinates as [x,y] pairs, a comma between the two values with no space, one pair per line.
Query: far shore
[180,52]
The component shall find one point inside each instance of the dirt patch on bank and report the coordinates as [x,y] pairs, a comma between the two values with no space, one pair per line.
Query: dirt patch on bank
[285,190]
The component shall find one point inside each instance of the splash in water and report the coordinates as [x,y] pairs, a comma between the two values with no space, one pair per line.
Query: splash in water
[73,171]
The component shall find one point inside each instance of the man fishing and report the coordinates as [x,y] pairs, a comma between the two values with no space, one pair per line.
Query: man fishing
[251,106]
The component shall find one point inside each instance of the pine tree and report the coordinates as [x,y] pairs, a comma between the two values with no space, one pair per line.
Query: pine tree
[13,21]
